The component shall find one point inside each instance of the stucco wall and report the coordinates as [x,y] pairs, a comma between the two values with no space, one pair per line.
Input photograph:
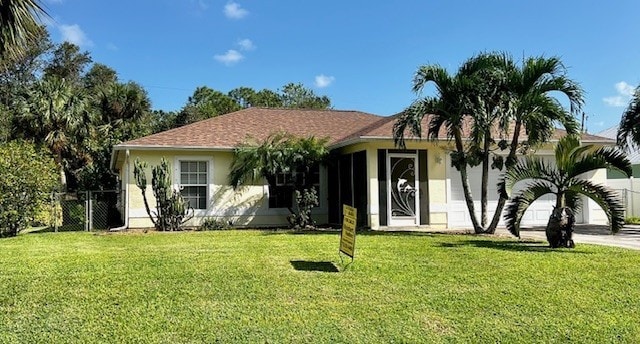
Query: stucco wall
[246,207]
[436,172]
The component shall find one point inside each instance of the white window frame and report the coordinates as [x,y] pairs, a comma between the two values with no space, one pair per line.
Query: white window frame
[176,179]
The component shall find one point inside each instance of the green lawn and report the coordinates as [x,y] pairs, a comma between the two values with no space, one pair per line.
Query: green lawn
[241,286]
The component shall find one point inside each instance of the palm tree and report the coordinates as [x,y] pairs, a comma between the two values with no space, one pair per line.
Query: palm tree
[534,108]
[56,113]
[497,100]
[629,130]
[281,153]
[565,182]
[19,23]
[448,109]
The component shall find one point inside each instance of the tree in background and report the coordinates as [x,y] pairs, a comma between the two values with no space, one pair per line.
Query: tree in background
[629,129]
[56,115]
[296,96]
[205,103]
[29,175]
[563,179]
[494,100]
[68,63]
[19,25]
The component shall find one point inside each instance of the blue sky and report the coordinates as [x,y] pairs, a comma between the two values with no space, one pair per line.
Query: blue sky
[362,54]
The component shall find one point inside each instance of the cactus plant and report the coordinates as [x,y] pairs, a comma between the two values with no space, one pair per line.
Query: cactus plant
[172,211]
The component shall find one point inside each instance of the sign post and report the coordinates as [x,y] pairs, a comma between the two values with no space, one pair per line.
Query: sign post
[348,234]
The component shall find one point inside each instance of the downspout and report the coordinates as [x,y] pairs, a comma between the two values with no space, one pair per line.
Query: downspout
[126,195]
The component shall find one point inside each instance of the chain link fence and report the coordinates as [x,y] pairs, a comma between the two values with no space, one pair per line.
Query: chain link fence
[83,211]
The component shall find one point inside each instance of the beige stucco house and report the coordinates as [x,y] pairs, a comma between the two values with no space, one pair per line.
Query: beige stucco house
[389,187]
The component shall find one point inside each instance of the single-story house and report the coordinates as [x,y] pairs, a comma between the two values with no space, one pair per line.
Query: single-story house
[389,187]
[629,188]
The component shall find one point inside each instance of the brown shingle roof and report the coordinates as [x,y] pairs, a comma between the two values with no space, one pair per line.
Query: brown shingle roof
[340,127]
[384,129]
[227,131]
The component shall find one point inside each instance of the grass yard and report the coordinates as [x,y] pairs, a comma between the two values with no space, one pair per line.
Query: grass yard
[241,286]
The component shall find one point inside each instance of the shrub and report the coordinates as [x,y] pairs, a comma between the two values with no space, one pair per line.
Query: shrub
[29,175]
[214,224]
[633,220]
[305,201]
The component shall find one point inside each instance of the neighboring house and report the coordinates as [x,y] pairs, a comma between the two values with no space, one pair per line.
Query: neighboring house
[388,186]
[629,187]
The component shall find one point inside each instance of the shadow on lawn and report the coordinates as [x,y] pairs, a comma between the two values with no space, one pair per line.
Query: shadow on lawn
[513,246]
[305,265]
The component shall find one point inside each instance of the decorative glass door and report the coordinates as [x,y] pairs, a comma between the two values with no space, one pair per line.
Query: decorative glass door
[402,197]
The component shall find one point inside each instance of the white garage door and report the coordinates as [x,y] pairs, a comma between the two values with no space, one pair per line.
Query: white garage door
[537,214]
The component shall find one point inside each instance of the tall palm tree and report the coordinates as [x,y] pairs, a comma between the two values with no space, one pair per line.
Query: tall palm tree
[448,110]
[19,23]
[56,113]
[629,130]
[534,108]
[565,182]
[498,100]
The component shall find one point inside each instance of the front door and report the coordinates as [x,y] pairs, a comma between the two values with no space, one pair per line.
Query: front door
[402,189]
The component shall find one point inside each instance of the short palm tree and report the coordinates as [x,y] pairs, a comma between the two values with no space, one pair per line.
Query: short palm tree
[564,180]
[18,24]
[629,130]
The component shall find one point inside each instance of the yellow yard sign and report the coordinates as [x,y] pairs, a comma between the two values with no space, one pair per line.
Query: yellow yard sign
[348,235]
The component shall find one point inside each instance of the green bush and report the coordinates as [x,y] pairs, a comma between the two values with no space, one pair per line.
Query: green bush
[214,224]
[29,176]
[633,220]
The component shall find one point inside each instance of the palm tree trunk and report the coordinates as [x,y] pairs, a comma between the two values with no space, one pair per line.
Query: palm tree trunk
[465,185]
[485,182]
[501,200]
[560,226]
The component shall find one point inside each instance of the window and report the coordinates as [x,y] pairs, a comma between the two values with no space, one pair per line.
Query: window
[281,194]
[194,182]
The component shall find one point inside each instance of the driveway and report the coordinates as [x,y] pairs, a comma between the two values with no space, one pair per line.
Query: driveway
[628,237]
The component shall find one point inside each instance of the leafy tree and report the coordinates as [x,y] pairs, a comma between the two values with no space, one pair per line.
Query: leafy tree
[68,63]
[243,96]
[297,96]
[563,179]
[19,25]
[162,120]
[281,153]
[491,100]
[205,103]
[171,211]
[28,178]
[99,76]
[267,98]
[629,130]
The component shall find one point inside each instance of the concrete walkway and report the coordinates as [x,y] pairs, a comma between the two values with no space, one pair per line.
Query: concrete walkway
[628,237]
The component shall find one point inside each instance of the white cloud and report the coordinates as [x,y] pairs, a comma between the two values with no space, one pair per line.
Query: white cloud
[230,57]
[246,44]
[625,92]
[74,34]
[233,10]
[624,89]
[323,81]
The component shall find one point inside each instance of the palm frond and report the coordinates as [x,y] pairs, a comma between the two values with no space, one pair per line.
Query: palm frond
[589,159]
[629,129]
[608,199]
[431,73]
[533,168]
[520,203]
